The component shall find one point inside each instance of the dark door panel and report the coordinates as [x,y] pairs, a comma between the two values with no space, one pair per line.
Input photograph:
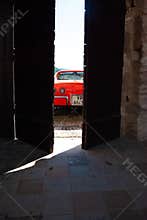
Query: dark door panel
[6,87]
[104,37]
[34,71]
[34,67]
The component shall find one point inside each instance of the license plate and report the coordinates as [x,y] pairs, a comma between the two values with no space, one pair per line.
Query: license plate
[77,100]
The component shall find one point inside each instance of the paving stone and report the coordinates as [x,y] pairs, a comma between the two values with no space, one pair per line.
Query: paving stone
[143,213]
[88,202]
[59,217]
[79,170]
[30,187]
[92,217]
[77,160]
[125,215]
[57,171]
[143,167]
[87,184]
[33,173]
[24,218]
[141,202]
[57,184]
[116,199]
[114,183]
[58,204]
[19,205]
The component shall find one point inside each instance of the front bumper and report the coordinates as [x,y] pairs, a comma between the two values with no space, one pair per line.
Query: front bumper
[72,100]
[60,100]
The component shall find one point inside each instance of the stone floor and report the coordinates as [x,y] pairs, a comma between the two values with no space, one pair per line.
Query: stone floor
[107,182]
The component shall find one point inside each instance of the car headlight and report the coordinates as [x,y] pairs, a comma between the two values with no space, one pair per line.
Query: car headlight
[62,90]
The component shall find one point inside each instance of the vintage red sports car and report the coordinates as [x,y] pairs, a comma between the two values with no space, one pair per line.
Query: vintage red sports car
[68,88]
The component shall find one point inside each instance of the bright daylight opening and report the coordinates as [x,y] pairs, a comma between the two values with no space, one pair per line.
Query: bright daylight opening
[68,76]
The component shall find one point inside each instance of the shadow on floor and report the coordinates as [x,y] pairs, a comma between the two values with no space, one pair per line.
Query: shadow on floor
[15,154]
[100,184]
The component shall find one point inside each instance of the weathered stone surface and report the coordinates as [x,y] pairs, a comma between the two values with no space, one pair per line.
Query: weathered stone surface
[134,96]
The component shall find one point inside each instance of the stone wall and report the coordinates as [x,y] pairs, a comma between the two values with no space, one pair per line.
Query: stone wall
[134,95]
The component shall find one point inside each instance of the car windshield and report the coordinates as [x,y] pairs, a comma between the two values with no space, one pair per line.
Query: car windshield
[70,76]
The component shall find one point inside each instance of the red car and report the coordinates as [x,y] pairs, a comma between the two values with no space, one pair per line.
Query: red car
[68,88]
